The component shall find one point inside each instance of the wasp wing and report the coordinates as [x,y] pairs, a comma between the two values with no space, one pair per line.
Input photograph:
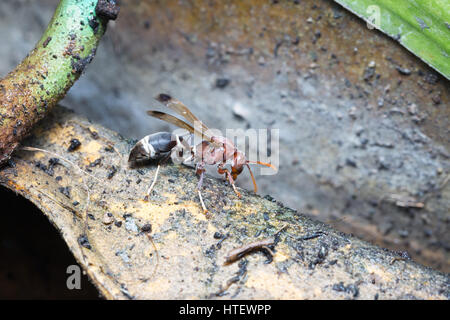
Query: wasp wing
[181,109]
[179,123]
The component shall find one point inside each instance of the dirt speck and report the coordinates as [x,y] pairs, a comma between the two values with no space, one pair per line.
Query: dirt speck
[74,145]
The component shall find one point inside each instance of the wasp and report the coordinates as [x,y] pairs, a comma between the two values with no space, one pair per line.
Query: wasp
[212,150]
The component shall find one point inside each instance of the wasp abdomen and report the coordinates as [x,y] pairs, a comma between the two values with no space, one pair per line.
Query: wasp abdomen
[153,147]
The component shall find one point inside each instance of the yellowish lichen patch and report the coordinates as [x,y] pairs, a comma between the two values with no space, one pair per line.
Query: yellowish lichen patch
[347,248]
[92,148]
[211,228]
[90,158]
[171,198]
[282,253]
[60,135]
[39,155]
[158,286]
[15,186]
[279,285]
[156,212]
[171,235]
[379,273]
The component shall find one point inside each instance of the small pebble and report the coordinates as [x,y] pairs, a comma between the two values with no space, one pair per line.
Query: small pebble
[412,109]
[403,71]
[222,83]
[146,227]
[108,218]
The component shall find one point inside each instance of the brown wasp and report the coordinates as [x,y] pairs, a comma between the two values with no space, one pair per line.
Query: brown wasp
[212,150]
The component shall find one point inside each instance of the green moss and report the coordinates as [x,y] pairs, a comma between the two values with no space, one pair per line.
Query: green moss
[49,71]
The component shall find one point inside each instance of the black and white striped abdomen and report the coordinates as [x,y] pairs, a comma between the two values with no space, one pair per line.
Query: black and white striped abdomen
[153,147]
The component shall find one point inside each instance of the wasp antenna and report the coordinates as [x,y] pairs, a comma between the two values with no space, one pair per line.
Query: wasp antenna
[264,164]
[253,179]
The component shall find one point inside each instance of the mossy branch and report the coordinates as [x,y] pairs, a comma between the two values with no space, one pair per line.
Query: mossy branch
[47,73]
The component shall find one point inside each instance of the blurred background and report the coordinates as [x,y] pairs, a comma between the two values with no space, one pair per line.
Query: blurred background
[364,124]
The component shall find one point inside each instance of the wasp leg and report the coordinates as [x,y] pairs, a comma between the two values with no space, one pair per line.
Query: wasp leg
[222,170]
[153,184]
[149,190]
[201,172]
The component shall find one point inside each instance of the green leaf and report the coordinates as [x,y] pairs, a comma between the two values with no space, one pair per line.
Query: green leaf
[422,26]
